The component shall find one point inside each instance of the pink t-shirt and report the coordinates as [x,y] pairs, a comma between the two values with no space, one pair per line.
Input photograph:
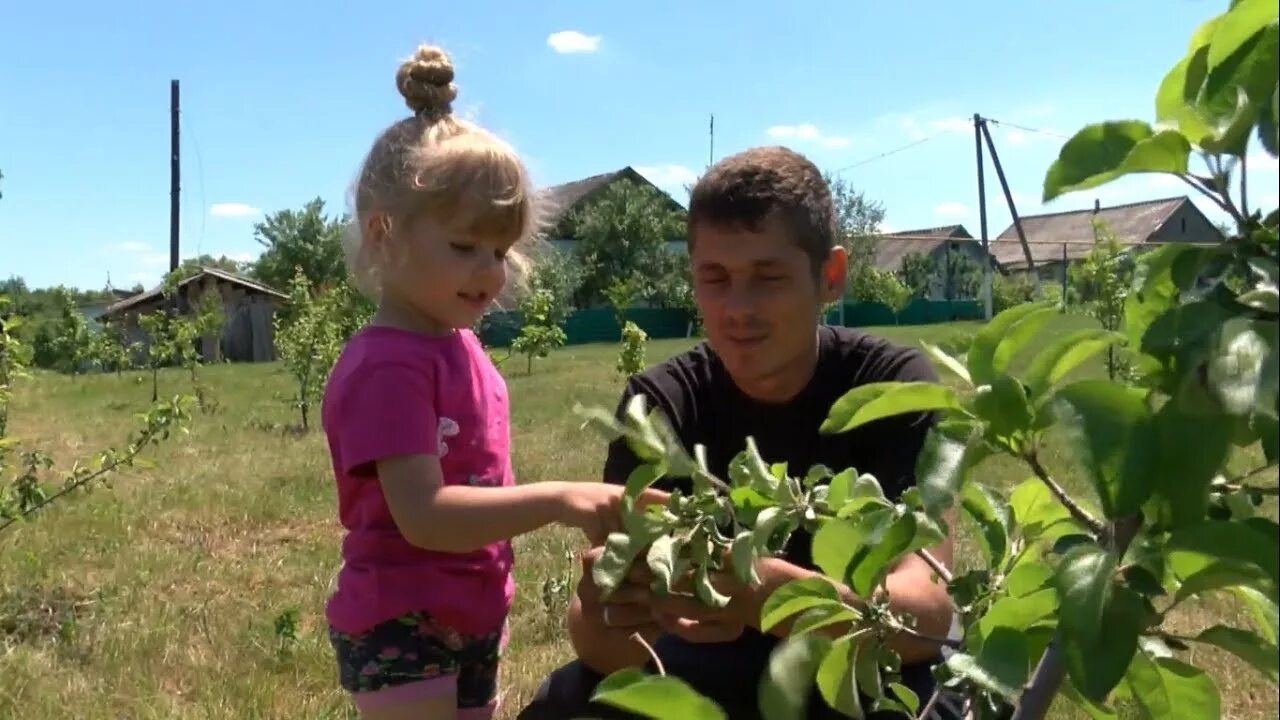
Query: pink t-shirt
[394,392]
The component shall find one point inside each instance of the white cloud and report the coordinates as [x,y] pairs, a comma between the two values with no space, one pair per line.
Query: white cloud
[156,260]
[131,246]
[807,132]
[1164,181]
[675,176]
[233,210]
[951,209]
[888,228]
[572,41]
[1260,160]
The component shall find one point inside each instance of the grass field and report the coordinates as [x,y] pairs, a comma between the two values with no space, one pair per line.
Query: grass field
[195,589]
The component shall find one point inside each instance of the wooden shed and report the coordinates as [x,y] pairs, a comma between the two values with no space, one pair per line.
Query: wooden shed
[249,307]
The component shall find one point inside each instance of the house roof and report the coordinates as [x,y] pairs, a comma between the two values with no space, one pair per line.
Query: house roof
[157,291]
[566,197]
[894,247]
[1132,223]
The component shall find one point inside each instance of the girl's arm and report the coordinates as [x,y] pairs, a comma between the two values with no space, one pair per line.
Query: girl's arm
[459,518]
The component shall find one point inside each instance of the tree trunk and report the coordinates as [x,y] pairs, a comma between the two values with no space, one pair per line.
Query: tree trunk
[155,381]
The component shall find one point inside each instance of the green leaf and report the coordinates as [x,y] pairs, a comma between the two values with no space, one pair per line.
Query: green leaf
[840,488]
[705,591]
[835,678]
[1038,513]
[1266,614]
[907,697]
[1000,667]
[744,556]
[764,534]
[947,361]
[1248,542]
[1063,355]
[1176,97]
[1239,25]
[1169,689]
[1143,581]
[1084,588]
[620,550]
[991,515]
[1216,575]
[1098,663]
[1263,655]
[942,464]
[1019,334]
[1191,451]
[823,616]
[662,561]
[655,696]
[836,544]
[1096,711]
[641,478]
[784,689]
[748,469]
[982,352]
[875,401]
[1110,426]
[1102,152]
[1003,404]
[794,597]
[1027,577]
[872,567]
[866,670]
[1020,613]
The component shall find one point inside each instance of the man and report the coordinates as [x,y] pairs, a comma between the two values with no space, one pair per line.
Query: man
[765,261]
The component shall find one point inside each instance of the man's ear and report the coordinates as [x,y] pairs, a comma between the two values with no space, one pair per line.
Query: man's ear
[833,274]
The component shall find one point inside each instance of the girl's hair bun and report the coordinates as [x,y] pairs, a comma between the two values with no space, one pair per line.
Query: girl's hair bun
[426,82]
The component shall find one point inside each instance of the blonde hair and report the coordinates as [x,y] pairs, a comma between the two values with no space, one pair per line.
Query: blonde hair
[443,166]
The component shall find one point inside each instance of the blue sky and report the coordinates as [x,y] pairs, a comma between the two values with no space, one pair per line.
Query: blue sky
[280,100]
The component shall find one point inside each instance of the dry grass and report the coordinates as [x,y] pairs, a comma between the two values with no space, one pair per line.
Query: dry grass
[195,589]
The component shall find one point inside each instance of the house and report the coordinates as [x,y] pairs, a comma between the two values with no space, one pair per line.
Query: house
[248,306]
[1058,239]
[935,243]
[565,198]
[94,310]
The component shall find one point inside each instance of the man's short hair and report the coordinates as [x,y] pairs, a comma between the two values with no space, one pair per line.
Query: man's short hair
[746,189]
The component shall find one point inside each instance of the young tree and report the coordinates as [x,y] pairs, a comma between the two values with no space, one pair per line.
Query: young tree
[161,345]
[1069,598]
[309,338]
[15,357]
[1100,283]
[631,357]
[109,350]
[539,335]
[961,276]
[622,233]
[70,341]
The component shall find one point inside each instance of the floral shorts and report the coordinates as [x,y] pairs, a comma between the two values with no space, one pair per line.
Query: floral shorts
[415,656]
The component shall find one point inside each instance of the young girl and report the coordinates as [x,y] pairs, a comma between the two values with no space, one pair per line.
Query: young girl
[417,423]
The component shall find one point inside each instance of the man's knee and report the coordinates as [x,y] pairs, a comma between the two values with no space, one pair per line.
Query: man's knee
[566,693]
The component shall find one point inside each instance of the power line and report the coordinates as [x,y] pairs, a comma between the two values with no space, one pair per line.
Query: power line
[1024,128]
[886,154]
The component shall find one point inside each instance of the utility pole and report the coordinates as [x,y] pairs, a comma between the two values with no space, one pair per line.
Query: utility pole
[1013,210]
[711,151]
[175,176]
[982,218]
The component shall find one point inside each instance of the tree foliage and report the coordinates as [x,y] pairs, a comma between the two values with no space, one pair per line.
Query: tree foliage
[310,336]
[920,275]
[307,239]
[621,233]
[1099,286]
[1065,600]
[26,488]
[539,333]
[858,221]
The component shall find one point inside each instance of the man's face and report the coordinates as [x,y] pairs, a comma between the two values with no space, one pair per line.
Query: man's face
[760,300]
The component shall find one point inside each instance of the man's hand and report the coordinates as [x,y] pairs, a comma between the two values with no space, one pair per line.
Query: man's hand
[601,629]
[696,622]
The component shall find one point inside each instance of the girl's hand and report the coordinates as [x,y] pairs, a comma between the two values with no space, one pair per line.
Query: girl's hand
[596,507]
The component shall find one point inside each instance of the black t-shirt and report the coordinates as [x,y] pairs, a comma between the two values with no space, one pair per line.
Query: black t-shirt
[704,406]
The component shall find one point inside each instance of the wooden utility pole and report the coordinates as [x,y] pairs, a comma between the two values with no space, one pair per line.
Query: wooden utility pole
[175,176]
[982,218]
[711,150]
[1013,210]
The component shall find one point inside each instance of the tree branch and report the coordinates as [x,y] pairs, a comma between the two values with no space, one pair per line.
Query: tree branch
[937,566]
[1038,694]
[1058,492]
[1226,207]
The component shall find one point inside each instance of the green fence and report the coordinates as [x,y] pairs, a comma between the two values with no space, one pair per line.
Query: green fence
[599,324]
